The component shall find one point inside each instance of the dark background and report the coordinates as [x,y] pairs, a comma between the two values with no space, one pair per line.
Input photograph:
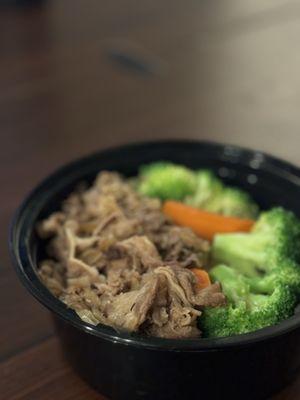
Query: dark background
[80,75]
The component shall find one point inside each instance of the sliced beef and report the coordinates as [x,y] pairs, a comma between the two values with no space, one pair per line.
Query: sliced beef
[130,310]
[181,245]
[211,296]
[127,260]
[52,225]
[140,252]
[165,304]
[52,275]
[176,310]
[117,260]
[87,303]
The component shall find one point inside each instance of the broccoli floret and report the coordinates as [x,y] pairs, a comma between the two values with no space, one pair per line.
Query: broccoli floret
[223,321]
[166,181]
[234,285]
[148,169]
[200,188]
[261,278]
[273,240]
[208,187]
[212,195]
[286,274]
[233,202]
[250,306]
[232,318]
[270,309]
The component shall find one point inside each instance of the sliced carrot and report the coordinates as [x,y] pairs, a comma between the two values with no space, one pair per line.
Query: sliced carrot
[204,223]
[203,278]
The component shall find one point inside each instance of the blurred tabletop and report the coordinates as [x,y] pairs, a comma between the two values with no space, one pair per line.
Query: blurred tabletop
[77,76]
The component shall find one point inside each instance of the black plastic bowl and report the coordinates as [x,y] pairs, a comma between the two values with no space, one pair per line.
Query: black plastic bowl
[124,366]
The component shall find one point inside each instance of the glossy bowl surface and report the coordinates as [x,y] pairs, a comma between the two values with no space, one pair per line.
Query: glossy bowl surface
[122,365]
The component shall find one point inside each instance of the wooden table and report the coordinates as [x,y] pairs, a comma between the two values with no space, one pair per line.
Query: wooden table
[76,76]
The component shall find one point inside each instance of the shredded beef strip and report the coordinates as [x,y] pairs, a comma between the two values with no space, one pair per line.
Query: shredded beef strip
[116,259]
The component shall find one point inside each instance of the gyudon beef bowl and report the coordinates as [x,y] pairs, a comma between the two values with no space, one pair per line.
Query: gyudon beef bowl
[171,269]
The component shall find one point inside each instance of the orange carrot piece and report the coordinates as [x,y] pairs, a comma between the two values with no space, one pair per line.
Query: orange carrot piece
[204,223]
[203,278]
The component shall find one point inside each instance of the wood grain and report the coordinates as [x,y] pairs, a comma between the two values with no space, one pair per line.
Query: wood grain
[80,76]
[48,378]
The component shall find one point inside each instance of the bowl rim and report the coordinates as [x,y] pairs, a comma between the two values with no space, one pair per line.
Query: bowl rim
[24,266]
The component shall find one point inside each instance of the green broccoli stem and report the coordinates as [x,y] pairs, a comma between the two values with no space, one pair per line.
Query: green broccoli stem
[245,252]
[262,285]
[234,285]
